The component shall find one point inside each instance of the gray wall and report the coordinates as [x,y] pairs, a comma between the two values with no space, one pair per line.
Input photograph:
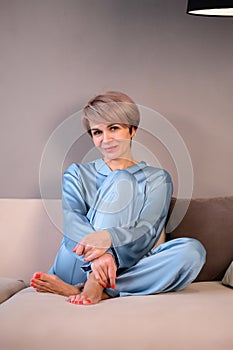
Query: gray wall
[56,54]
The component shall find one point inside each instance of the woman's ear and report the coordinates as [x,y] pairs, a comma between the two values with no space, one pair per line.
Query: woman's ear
[133,131]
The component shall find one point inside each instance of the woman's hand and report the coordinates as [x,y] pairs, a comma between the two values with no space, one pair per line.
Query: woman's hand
[104,270]
[94,245]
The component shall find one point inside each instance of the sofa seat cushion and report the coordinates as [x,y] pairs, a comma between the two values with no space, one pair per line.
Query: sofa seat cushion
[199,317]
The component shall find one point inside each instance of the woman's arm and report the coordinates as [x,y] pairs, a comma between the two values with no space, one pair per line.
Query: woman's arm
[79,235]
[75,223]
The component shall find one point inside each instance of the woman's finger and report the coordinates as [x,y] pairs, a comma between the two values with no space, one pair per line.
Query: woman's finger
[94,253]
[79,249]
[99,275]
[112,275]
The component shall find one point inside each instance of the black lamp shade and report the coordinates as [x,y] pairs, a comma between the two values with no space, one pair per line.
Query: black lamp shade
[210,7]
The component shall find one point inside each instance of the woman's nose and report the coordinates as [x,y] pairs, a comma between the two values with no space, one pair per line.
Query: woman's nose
[106,136]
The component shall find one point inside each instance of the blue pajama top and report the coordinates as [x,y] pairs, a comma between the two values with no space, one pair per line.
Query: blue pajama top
[81,189]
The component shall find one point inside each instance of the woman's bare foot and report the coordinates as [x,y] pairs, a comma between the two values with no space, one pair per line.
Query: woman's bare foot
[46,283]
[92,293]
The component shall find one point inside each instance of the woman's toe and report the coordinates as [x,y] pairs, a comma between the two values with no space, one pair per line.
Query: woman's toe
[37,275]
[71,298]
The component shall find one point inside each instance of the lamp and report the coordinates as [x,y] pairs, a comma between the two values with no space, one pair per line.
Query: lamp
[210,7]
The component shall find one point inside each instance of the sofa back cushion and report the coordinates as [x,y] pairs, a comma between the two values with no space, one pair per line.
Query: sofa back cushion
[211,222]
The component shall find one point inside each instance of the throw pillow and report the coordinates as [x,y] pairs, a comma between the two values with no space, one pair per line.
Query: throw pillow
[228,277]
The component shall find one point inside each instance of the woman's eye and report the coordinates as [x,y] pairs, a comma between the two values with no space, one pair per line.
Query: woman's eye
[96,132]
[113,128]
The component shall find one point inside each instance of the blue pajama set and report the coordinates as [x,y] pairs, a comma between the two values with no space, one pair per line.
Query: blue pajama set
[132,205]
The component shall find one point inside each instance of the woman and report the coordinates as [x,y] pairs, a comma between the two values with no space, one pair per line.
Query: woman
[114,211]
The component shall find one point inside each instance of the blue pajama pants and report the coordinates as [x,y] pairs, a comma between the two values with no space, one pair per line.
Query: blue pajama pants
[169,267]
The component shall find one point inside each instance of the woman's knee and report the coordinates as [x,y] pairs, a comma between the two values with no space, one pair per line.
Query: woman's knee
[117,193]
[122,179]
[193,252]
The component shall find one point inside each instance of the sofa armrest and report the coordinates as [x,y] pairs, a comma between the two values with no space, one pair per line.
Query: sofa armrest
[28,239]
[9,287]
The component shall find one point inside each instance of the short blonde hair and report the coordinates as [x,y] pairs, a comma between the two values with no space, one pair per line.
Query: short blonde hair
[111,107]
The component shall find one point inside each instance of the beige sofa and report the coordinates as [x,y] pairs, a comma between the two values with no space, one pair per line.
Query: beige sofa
[199,317]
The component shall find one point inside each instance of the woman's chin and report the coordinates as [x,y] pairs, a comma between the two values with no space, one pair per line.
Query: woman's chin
[111,156]
[108,159]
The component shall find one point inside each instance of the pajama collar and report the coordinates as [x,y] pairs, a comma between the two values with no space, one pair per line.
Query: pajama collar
[102,167]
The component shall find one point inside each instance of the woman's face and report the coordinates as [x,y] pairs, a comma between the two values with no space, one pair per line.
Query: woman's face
[112,140]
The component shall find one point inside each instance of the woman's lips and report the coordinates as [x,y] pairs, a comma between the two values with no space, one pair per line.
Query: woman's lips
[109,149]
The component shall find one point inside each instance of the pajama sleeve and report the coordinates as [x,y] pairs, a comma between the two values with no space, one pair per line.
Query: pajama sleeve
[75,223]
[130,243]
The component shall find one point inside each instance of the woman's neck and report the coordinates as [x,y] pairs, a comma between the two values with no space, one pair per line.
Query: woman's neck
[115,164]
